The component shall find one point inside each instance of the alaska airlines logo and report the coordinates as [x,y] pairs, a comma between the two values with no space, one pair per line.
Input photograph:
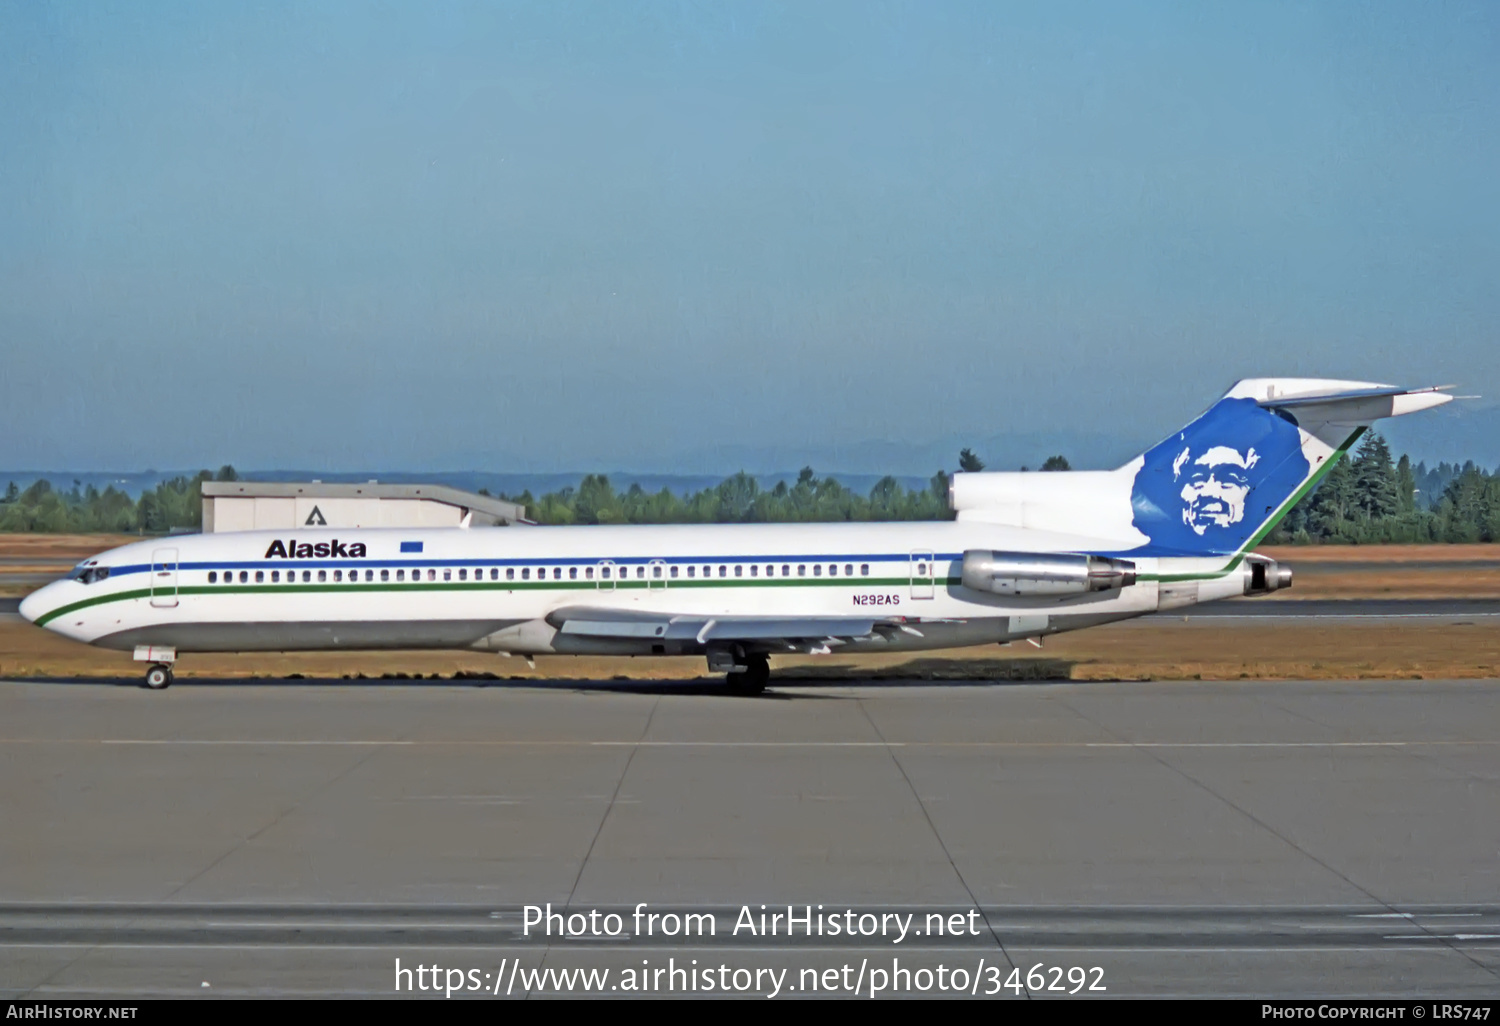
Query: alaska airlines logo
[1210,486]
[1215,486]
[293,549]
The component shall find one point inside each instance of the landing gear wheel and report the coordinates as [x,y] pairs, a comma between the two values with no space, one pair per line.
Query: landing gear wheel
[159,677]
[752,680]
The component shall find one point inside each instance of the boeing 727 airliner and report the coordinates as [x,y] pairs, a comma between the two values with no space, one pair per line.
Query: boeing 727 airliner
[1028,555]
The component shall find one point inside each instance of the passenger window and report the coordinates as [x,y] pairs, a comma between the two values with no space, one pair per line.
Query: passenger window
[848,569]
[447,575]
[369,575]
[463,574]
[510,573]
[604,572]
[672,572]
[640,572]
[400,575]
[385,575]
[588,573]
[864,569]
[244,577]
[526,573]
[656,572]
[739,571]
[801,569]
[260,577]
[306,576]
[690,570]
[338,575]
[833,569]
[494,573]
[786,571]
[213,577]
[572,573]
[322,576]
[817,570]
[921,569]
[723,571]
[753,569]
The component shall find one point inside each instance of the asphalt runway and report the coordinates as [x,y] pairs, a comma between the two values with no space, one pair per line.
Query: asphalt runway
[295,837]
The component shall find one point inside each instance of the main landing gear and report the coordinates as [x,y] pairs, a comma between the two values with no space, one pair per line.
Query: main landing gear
[752,679]
[159,677]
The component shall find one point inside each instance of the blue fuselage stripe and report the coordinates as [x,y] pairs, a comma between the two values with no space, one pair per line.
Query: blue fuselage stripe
[376,564]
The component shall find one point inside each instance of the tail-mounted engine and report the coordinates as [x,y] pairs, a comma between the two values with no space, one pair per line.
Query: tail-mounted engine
[1263,576]
[1044,575]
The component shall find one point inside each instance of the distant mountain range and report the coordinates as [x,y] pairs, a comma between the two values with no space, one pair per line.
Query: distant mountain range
[1454,433]
[469,480]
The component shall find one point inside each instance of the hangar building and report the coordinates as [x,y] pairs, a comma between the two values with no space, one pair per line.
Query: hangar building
[275,505]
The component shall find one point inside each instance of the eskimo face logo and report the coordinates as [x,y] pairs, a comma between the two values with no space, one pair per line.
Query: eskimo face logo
[1214,486]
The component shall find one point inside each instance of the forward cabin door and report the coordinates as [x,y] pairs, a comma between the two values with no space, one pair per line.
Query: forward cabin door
[922,573]
[164,578]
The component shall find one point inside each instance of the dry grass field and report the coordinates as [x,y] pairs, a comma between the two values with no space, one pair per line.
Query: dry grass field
[1141,650]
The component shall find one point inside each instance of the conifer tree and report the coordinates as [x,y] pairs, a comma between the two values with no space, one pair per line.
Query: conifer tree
[1376,492]
[1406,486]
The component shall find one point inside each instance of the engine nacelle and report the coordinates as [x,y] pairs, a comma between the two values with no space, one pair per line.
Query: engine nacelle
[1044,575]
[1263,576]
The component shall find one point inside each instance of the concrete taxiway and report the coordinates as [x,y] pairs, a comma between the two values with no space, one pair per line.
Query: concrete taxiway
[297,837]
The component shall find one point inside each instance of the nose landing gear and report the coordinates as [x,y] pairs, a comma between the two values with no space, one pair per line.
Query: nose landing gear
[161,658]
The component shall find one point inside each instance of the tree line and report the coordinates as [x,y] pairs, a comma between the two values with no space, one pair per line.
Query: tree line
[1369,499]
[173,505]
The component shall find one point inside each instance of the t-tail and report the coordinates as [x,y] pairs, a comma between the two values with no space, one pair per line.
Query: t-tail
[1215,488]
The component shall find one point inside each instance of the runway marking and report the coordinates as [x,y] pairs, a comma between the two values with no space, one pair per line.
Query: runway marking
[1332,616]
[242,742]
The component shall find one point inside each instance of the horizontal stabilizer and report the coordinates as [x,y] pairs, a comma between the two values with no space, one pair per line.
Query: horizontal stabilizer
[1347,401]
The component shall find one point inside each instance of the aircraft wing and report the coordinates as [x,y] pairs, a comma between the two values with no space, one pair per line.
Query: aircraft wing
[616,623]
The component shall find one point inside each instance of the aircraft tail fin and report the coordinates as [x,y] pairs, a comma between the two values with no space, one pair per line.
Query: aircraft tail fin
[1224,481]
[1216,487]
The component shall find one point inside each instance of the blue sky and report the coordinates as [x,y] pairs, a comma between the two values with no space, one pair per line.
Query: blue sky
[670,236]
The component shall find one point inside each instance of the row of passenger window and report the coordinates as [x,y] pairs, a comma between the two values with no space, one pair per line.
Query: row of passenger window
[607,572]
[323,576]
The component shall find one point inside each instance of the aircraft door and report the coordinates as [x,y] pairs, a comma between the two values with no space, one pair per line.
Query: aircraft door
[164,578]
[605,574]
[923,570]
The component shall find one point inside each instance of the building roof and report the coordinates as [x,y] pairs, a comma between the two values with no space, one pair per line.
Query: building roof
[486,510]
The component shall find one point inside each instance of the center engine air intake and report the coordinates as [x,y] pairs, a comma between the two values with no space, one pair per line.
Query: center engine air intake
[1044,575]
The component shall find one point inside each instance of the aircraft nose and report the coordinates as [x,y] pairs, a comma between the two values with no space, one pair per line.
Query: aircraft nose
[35,604]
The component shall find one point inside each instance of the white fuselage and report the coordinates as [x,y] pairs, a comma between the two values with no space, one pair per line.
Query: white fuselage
[495,589]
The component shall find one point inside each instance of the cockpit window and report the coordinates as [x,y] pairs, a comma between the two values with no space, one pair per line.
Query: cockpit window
[89,574]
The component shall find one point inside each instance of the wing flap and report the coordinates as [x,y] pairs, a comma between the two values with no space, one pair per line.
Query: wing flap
[613,623]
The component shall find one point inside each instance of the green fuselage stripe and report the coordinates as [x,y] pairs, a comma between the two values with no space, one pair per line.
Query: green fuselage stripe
[478,586]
